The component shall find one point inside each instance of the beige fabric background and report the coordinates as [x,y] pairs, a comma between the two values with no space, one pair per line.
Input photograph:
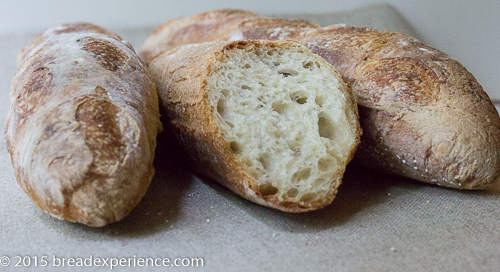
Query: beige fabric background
[376,223]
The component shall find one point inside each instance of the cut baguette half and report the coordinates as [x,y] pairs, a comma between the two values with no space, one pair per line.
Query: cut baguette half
[271,121]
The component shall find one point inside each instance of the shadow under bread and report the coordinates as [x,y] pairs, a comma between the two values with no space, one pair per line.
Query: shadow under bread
[361,188]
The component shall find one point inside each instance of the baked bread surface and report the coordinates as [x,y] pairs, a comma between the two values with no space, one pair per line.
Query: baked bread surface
[82,124]
[424,116]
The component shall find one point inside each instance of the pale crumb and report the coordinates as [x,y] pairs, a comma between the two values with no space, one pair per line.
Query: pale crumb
[428,201]
[208,220]
[166,221]
[415,168]
[393,249]
[274,234]
[388,193]
[244,90]
[404,161]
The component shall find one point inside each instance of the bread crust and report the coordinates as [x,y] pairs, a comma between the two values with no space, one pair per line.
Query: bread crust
[424,116]
[181,76]
[82,124]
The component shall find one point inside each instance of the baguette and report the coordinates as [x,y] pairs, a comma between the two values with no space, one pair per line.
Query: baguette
[271,121]
[82,124]
[424,116]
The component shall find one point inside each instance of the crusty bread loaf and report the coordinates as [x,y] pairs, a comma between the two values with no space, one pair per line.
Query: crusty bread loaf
[272,121]
[82,124]
[423,115]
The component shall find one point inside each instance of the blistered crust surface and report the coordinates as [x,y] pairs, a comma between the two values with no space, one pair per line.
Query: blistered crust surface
[82,125]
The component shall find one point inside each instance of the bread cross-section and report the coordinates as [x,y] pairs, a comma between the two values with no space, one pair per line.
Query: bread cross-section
[270,120]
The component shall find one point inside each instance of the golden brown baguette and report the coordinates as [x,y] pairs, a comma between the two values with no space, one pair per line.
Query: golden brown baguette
[271,121]
[424,116]
[82,124]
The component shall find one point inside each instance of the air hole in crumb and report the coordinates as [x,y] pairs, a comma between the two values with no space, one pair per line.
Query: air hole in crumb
[265,160]
[261,84]
[225,92]
[247,66]
[245,87]
[319,100]
[235,147]
[259,107]
[221,107]
[304,174]
[278,107]
[325,128]
[275,63]
[318,182]
[301,175]
[308,197]
[301,100]
[270,53]
[292,192]
[325,163]
[298,97]
[288,73]
[317,64]
[267,189]
[308,65]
